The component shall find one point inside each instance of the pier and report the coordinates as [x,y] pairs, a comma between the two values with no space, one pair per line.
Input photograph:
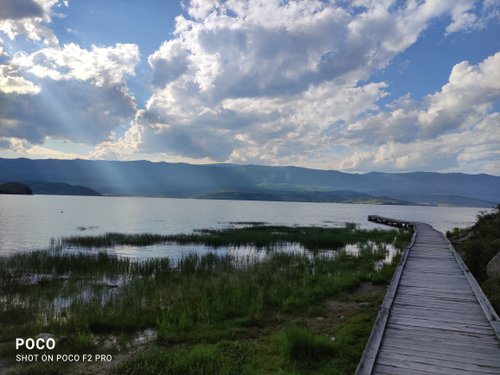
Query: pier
[434,319]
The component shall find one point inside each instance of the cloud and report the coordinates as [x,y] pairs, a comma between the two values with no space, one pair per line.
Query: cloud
[269,82]
[266,81]
[466,99]
[473,150]
[18,9]
[455,128]
[101,66]
[29,19]
[72,93]
[12,83]
[72,110]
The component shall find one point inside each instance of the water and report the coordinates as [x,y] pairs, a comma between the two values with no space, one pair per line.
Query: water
[29,222]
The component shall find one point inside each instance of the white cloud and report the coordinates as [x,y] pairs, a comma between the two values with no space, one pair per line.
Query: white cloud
[452,128]
[68,109]
[77,94]
[270,81]
[103,66]
[12,83]
[29,19]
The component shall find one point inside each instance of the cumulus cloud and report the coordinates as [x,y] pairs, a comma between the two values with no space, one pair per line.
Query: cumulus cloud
[28,18]
[18,9]
[245,81]
[72,110]
[261,81]
[451,128]
[101,66]
[466,99]
[75,94]
[469,151]
[12,83]
[63,92]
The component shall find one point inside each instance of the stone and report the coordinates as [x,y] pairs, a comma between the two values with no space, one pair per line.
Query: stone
[493,267]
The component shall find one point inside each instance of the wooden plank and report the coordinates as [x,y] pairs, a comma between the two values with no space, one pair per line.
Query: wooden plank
[413,322]
[440,317]
[392,370]
[438,320]
[440,366]
[423,332]
[444,305]
[438,288]
[369,355]
[437,353]
[459,299]
[425,312]
[465,350]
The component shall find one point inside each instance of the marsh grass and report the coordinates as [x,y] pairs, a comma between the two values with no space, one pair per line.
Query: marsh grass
[83,298]
[260,236]
[299,343]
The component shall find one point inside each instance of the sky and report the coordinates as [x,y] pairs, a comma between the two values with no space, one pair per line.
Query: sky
[356,86]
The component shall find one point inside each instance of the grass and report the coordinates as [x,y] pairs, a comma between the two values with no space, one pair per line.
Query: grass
[478,245]
[202,308]
[300,344]
[260,236]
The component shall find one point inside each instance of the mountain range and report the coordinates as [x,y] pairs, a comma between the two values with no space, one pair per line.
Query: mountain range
[233,181]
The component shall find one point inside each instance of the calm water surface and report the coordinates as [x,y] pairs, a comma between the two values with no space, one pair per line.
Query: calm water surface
[29,222]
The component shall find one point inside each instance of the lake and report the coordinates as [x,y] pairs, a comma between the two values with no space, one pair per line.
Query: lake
[29,222]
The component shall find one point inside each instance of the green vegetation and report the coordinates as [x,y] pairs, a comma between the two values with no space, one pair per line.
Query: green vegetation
[300,344]
[211,314]
[478,245]
[260,236]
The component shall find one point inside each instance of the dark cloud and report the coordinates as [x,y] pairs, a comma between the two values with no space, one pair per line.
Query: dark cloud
[73,110]
[18,9]
[189,142]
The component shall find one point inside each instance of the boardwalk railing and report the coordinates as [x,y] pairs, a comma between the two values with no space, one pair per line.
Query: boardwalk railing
[434,319]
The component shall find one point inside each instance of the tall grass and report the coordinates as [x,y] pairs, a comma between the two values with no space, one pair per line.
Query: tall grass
[299,343]
[260,236]
[83,297]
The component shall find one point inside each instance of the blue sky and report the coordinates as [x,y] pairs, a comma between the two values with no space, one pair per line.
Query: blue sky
[355,86]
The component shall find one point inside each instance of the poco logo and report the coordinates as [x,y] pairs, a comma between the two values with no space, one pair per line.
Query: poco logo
[38,343]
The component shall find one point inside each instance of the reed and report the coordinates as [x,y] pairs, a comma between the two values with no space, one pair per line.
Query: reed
[83,298]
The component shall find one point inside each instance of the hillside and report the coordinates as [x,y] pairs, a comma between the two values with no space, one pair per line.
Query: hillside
[15,188]
[232,181]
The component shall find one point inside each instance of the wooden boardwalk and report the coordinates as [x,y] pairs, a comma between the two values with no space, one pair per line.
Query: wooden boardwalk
[435,318]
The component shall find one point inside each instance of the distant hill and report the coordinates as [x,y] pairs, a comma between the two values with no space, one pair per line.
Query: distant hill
[59,188]
[15,188]
[232,181]
[340,196]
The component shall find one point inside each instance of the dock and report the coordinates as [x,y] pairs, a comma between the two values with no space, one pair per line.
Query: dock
[434,319]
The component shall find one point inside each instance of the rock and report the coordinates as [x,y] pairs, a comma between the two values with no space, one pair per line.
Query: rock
[333,339]
[493,267]
[145,336]
[363,304]
[110,343]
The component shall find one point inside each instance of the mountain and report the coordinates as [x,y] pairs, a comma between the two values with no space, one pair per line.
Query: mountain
[232,181]
[15,188]
[59,188]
